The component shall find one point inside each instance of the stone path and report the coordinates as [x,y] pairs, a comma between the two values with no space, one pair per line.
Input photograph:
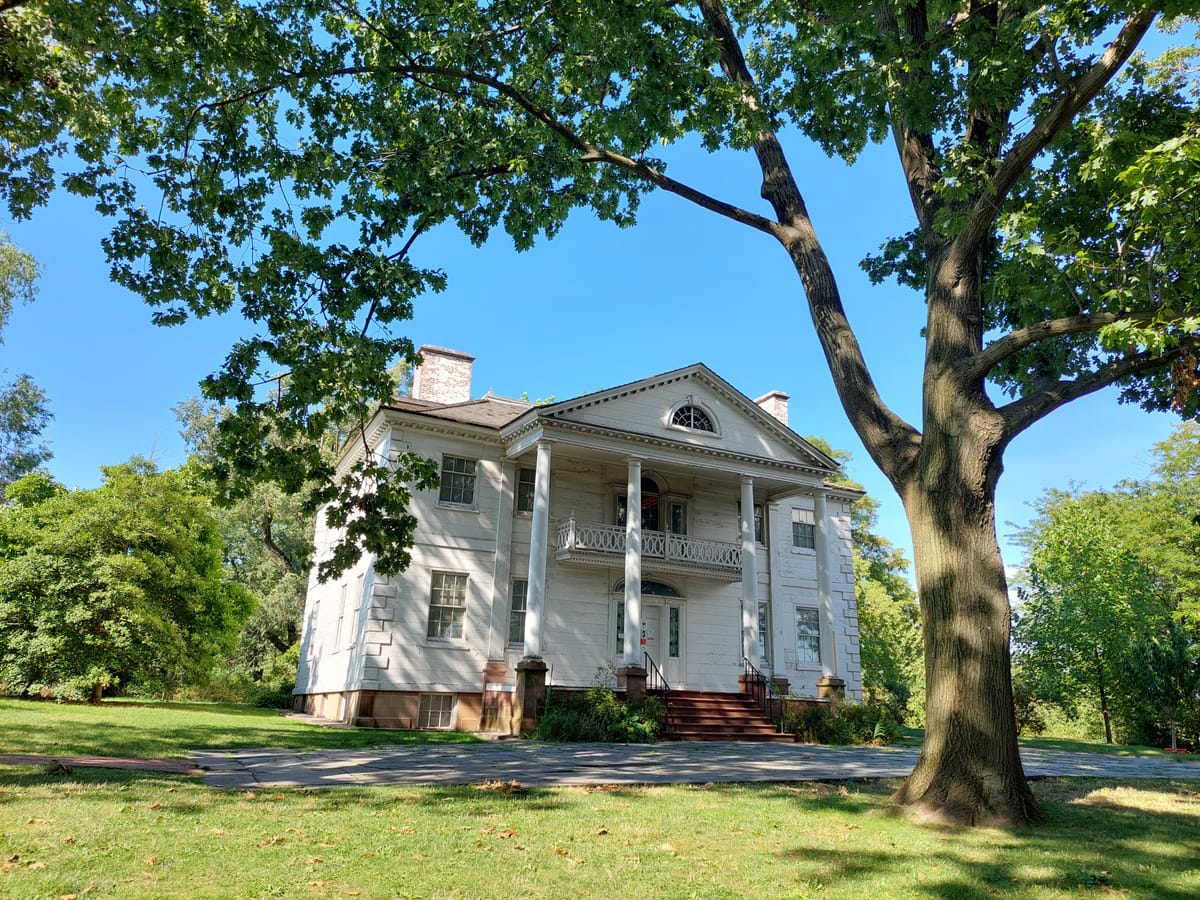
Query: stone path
[579,764]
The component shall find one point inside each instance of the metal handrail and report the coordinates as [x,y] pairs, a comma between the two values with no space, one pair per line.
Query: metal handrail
[761,691]
[658,684]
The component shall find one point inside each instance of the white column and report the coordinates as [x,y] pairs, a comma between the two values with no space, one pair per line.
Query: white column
[501,569]
[539,531]
[749,574]
[633,564]
[824,540]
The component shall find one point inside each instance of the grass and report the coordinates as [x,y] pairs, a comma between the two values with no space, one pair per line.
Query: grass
[913,737]
[169,730]
[105,835]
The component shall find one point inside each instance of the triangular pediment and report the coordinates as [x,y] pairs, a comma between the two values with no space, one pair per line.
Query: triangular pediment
[649,407]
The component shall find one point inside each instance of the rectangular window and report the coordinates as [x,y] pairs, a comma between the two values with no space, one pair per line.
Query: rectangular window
[458,480]
[673,632]
[526,478]
[678,517]
[804,532]
[447,606]
[760,534]
[436,711]
[764,627]
[620,627]
[516,614]
[341,619]
[355,608]
[808,635]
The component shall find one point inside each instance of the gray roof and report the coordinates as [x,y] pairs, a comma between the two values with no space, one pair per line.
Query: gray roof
[489,411]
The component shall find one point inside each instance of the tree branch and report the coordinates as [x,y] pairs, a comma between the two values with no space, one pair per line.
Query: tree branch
[980,364]
[1075,97]
[915,148]
[891,441]
[589,153]
[1022,413]
[276,552]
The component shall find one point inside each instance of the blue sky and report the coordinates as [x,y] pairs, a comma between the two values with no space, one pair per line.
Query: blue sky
[596,307]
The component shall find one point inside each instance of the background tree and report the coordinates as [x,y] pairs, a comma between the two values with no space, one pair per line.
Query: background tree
[117,586]
[1087,599]
[267,539]
[24,411]
[889,621]
[298,150]
[1160,519]
[1164,665]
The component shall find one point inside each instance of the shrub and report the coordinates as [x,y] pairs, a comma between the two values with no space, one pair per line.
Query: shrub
[844,723]
[598,715]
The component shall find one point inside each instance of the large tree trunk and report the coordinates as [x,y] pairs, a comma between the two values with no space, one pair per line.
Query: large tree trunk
[969,771]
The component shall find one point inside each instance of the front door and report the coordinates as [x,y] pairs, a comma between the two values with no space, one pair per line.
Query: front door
[661,635]
[672,664]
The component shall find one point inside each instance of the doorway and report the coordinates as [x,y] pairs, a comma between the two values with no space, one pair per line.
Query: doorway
[662,631]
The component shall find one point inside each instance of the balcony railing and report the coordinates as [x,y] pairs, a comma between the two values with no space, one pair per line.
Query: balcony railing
[593,542]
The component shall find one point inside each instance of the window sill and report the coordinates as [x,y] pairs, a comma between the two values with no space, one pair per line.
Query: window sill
[433,644]
[804,551]
[461,507]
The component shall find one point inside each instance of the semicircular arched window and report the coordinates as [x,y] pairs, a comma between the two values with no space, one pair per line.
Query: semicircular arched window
[692,417]
[650,589]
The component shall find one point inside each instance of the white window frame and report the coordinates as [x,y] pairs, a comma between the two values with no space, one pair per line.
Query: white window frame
[355,610]
[515,594]
[703,408]
[440,589]
[803,517]
[806,655]
[450,477]
[764,629]
[760,523]
[341,617]
[447,706]
[528,494]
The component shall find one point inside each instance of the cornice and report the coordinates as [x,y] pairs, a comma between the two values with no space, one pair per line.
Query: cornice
[563,430]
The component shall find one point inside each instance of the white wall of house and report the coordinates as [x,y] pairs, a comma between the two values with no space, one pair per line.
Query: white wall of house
[383,640]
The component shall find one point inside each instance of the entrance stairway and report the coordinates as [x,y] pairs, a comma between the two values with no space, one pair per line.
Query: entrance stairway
[710,716]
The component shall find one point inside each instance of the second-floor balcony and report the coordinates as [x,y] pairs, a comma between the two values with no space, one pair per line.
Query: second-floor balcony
[593,543]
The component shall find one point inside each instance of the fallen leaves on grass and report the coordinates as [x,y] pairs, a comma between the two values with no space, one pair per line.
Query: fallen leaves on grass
[512,786]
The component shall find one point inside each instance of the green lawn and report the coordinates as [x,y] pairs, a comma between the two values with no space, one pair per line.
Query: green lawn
[169,730]
[99,834]
[912,737]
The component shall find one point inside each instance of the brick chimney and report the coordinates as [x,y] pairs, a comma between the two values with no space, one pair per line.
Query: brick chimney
[774,405]
[444,376]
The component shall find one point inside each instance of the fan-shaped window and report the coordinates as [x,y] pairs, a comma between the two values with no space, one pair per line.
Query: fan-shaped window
[650,589]
[692,417]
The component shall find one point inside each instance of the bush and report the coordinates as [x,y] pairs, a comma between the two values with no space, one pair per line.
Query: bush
[844,723]
[597,715]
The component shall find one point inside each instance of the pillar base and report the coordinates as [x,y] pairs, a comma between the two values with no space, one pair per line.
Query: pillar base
[781,685]
[632,680]
[531,689]
[831,687]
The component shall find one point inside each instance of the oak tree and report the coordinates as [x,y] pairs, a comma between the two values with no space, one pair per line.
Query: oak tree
[285,157]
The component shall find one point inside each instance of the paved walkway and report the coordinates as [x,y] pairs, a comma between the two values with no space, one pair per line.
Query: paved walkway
[578,764]
[166,766]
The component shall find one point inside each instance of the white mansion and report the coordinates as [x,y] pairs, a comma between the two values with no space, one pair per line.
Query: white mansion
[674,502]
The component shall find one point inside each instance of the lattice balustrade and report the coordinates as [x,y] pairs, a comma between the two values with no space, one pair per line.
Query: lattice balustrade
[596,538]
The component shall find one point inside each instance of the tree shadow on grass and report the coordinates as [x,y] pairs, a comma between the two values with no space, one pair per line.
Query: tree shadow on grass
[1141,838]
